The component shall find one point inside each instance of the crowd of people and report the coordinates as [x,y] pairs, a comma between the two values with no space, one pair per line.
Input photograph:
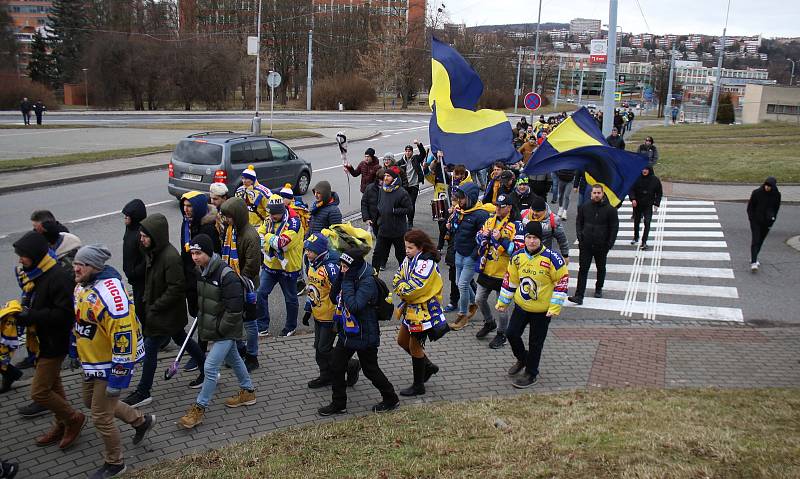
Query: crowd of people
[498,236]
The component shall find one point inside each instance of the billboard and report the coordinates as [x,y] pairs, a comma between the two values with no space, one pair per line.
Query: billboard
[598,51]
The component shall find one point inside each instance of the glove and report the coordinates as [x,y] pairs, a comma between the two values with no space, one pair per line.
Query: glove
[306,318]
[74,363]
[23,317]
[113,392]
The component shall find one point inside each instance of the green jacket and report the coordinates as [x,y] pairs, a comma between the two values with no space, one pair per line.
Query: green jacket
[248,243]
[164,282]
[220,300]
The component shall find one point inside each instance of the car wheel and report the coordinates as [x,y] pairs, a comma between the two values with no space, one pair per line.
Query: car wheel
[302,184]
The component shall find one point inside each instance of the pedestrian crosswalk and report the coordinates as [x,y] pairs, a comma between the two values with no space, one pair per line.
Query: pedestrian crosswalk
[686,273]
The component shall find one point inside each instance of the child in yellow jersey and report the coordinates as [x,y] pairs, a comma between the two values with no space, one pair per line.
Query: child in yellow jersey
[537,282]
[495,246]
[418,286]
[323,271]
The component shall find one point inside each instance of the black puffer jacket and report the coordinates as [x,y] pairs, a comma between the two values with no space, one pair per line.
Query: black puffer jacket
[647,190]
[597,224]
[764,205]
[393,209]
[133,260]
[369,203]
[51,309]
[325,214]
[359,294]
[220,300]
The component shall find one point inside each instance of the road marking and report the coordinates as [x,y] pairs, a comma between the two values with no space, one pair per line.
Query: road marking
[49,130]
[678,255]
[102,215]
[672,288]
[679,225]
[682,217]
[716,313]
[628,209]
[695,244]
[688,271]
[681,203]
[678,234]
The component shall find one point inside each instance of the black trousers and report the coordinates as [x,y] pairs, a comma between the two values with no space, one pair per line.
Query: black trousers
[646,212]
[442,234]
[589,252]
[324,335]
[382,247]
[413,192]
[759,232]
[539,323]
[369,365]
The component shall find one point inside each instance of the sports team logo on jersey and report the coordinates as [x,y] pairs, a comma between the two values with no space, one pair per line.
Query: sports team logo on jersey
[122,343]
[313,295]
[85,330]
[528,289]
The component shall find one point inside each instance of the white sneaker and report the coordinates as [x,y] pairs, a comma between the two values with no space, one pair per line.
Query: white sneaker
[754,267]
[564,215]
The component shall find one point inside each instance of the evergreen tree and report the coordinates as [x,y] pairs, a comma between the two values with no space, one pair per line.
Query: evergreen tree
[725,114]
[68,22]
[8,43]
[40,66]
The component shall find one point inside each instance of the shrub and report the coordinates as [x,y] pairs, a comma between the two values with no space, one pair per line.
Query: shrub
[16,88]
[725,114]
[496,100]
[351,90]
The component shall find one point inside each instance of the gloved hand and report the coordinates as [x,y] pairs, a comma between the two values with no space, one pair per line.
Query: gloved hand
[306,317]
[24,316]
[112,392]
[74,363]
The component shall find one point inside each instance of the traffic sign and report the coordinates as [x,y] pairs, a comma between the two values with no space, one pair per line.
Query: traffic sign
[273,79]
[617,96]
[533,101]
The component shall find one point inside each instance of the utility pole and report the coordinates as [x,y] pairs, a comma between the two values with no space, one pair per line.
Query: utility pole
[791,76]
[86,86]
[558,82]
[310,67]
[668,106]
[580,88]
[712,112]
[258,60]
[610,82]
[536,54]
[516,90]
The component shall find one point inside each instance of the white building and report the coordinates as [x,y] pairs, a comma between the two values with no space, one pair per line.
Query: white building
[584,26]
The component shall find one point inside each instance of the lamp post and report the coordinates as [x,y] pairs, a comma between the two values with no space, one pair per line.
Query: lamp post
[791,76]
[86,86]
[610,82]
[536,54]
[712,112]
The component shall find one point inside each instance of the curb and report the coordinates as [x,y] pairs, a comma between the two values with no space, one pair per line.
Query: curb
[131,171]
[693,196]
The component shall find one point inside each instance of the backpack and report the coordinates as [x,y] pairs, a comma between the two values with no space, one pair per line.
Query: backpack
[384,309]
[249,313]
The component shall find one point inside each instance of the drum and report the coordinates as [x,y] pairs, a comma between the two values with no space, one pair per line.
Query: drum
[439,209]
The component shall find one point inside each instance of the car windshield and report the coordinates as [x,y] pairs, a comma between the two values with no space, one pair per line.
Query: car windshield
[198,152]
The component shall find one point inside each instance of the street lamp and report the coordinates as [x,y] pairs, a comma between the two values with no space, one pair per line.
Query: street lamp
[791,77]
[86,86]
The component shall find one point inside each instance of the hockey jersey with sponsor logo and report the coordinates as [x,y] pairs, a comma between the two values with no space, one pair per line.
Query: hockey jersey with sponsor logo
[536,282]
[108,337]
[322,273]
[418,285]
[283,243]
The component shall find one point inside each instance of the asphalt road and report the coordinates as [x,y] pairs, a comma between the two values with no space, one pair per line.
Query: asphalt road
[91,210]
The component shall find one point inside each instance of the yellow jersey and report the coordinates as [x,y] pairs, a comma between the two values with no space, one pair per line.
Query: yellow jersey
[537,282]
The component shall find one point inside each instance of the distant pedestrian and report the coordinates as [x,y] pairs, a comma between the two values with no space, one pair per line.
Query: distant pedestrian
[39,108]
[674,114]
[255,196]
[596,227]
[649,149]
[565,179]
[645,198]
[762,210]
[615,139]
[631,116]
[355,294]
[25,107]
[412,164]
[367,169]
[619,123]
[325,210]
[369,202]
[394,204]
[133,258]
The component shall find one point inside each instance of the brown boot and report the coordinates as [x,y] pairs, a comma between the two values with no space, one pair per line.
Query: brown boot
[73,430]
[52,436]
[460,322]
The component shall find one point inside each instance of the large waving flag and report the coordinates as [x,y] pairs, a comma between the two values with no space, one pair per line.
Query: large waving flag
[577,143]
[473,138]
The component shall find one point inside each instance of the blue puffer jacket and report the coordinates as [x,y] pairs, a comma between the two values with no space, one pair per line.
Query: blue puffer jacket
[465,227]
[359,292]
[322,216]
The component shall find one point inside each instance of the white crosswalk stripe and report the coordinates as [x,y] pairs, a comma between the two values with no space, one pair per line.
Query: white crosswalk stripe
[686,273]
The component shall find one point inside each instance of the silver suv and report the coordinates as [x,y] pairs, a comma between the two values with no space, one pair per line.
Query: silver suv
[220,157]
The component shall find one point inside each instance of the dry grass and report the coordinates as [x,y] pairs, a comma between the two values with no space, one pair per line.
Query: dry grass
[602,433]
[725,153]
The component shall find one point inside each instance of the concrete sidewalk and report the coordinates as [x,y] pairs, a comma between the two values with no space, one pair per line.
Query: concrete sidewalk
[47,176]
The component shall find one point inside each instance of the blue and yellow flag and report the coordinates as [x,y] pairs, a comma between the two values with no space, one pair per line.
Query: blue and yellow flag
[473,138]
[578,144]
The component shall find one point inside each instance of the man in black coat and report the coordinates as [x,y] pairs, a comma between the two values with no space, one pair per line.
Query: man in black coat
[25,107]
[133,259]
[47,290]
[369,202]
[412,165]
[394,205]
[645,196]
[615,139]
[596,227]
[762,210]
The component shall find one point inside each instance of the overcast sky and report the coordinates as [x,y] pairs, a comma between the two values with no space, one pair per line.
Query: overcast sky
[771,18]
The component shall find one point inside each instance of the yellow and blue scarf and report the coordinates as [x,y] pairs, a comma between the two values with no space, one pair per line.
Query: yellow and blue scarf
[26,281]
[9,335]
[230,255]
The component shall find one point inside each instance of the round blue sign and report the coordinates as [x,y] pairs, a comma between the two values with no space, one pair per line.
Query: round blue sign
[533,101]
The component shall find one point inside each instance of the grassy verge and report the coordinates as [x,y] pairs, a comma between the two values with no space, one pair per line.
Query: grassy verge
[194,126]
[93,156]
[726,153]
[603,433]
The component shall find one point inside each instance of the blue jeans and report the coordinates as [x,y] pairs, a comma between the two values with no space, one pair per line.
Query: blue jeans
[564,190]
[554,188]
[151,346]
[465,271]
[222,352]
[251,338]
[288,283]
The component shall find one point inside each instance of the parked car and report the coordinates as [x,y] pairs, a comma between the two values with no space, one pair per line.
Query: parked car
[591,106]
[220,157]
[570,100]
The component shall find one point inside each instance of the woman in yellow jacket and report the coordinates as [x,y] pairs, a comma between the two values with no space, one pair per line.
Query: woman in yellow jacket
[418,286]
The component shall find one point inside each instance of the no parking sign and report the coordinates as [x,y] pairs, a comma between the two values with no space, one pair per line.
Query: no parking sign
[533,101]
